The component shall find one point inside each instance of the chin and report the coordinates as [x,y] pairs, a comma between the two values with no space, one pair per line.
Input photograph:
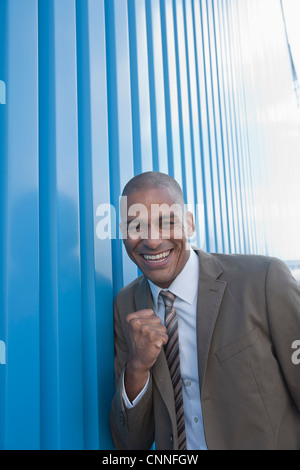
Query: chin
[160,281]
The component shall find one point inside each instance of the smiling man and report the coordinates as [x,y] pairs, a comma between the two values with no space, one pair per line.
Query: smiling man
[156,230]
[202,341]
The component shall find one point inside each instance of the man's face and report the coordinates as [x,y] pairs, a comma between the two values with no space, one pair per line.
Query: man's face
[155,232]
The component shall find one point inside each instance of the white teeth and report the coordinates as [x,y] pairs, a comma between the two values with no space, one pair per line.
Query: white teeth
[157,258]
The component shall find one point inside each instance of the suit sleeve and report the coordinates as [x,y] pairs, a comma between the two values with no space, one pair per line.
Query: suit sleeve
[132,429]
[283,305]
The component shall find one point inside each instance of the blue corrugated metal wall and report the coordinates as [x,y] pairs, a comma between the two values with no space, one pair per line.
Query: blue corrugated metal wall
[97,91]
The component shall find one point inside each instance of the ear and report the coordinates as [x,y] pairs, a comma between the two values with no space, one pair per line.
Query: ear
[190,225]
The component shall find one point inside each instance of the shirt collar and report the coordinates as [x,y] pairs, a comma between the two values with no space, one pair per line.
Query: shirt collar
[185,286]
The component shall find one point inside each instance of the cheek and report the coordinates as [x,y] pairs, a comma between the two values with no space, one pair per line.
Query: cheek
[177,233]
[182,252]
[179,252]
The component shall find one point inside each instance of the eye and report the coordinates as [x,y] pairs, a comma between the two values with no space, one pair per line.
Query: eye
[134,228]
[166,224]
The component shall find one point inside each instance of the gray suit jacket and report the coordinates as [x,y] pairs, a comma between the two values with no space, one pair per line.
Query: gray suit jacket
[248,316]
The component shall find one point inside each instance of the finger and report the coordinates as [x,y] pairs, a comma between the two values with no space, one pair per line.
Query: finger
[146,313]
[165,338]
[155,327]
[158,337]
[161,341]
[143,326]
[144,318]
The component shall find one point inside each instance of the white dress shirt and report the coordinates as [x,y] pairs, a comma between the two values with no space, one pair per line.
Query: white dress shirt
[185,288]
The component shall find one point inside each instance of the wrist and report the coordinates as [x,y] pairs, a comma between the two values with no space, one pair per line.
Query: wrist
[137,368]
[135,379]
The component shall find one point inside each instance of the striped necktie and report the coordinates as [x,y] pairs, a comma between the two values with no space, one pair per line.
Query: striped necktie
[173,360]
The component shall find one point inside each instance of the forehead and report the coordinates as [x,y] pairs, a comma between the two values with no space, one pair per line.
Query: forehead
[157,195]
[151,198]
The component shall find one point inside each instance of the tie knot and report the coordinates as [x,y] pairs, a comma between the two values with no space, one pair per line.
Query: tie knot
[168,298]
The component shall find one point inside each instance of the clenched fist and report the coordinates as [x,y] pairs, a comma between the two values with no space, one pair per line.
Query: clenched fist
[147,337]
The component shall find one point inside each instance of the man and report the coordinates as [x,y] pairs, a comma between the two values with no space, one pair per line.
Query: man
[203,342]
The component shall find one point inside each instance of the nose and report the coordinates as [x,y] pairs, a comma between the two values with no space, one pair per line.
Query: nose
[153,241]
[151,244]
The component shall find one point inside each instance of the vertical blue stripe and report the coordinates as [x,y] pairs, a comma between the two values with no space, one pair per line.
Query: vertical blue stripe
[3,215]
[171,96]
[119,124]
[68,242]
[22,247]
[140,95]
[96,272]
[47,237]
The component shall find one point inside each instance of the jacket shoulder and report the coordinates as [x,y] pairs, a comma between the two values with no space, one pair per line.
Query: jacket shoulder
[237,262]
[128,292]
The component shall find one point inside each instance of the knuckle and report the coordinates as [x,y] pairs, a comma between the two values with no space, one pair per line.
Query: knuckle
[136,324]
[152,335]
[149,310]
[145,313]
[130,317]
[144,328]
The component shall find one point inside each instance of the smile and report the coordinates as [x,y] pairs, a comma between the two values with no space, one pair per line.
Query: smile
[159,258]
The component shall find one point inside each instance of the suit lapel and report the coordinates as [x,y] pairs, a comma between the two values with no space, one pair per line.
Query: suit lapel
[210,295]
[160,370]
[143,297]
